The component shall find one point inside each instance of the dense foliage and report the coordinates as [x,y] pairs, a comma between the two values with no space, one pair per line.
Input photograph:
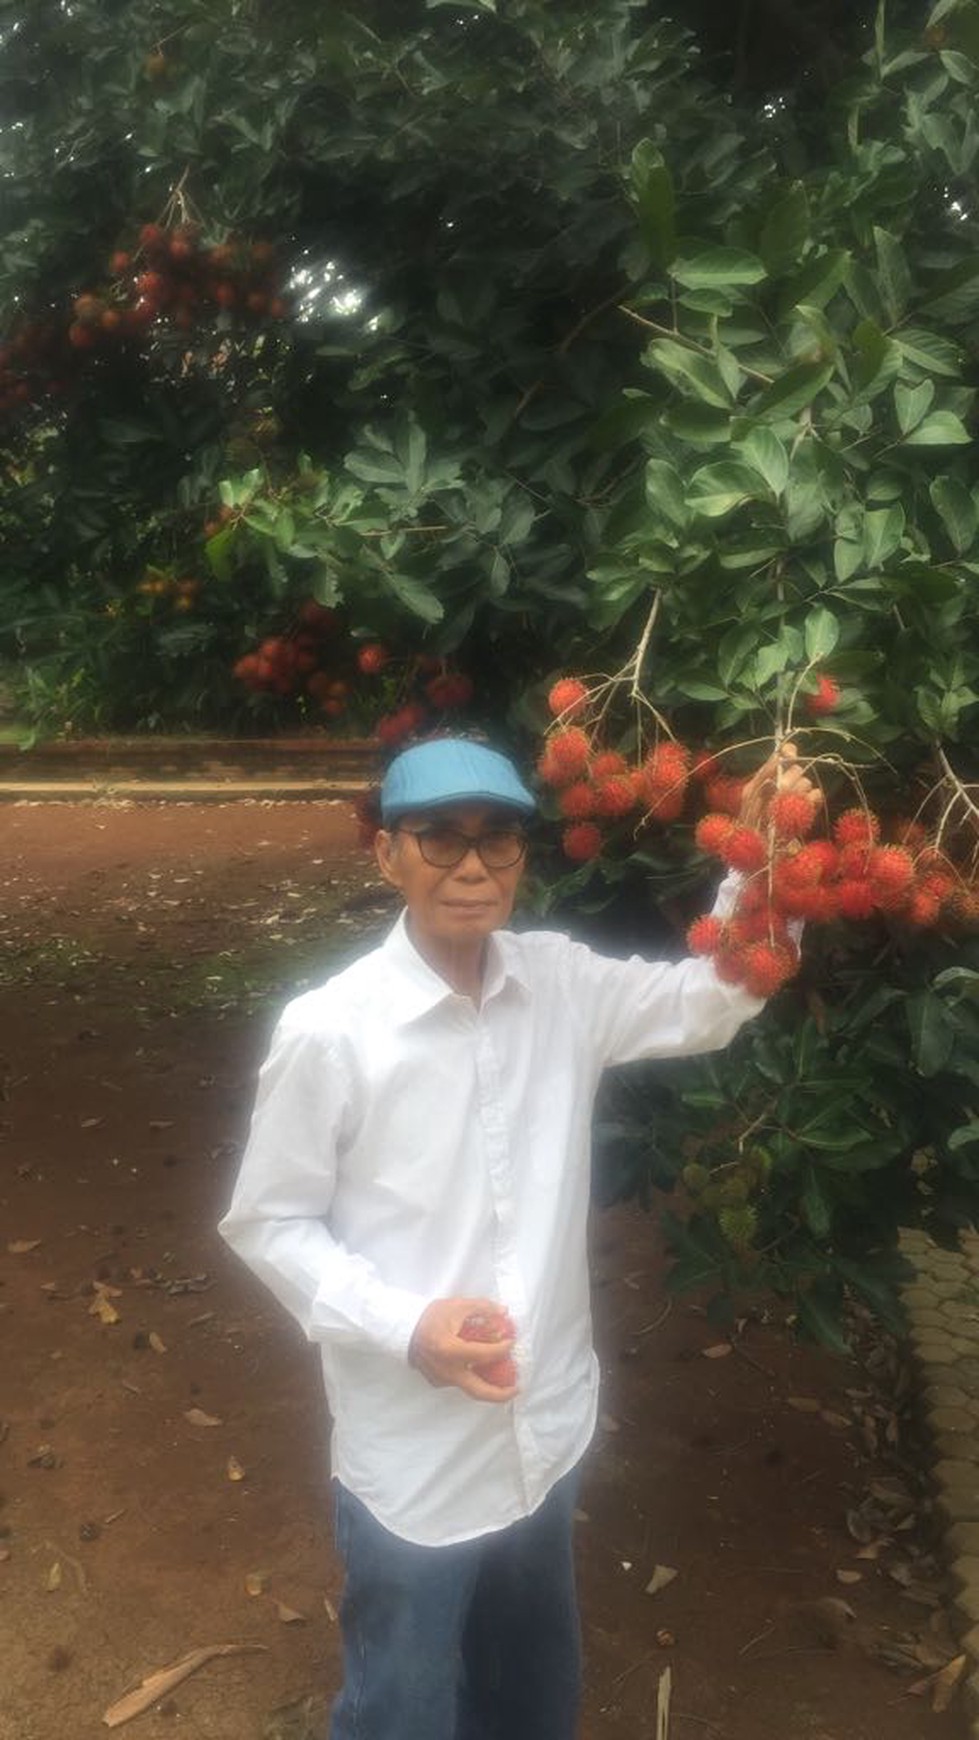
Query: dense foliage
[567,340]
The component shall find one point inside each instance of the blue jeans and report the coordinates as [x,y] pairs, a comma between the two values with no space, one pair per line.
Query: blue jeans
[475,1641]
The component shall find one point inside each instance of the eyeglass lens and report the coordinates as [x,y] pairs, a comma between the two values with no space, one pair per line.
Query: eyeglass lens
[443,847]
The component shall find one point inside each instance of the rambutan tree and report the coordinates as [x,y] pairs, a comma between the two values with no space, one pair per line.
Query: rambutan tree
[532,346]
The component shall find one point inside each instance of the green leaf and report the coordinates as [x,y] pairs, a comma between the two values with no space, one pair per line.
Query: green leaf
[786,230]
[821,632]
[794,390]
[823,1320]
[911,404]
[883,529]
[893,277]
[936,356]
[687,369]
[652,187]
[415,596]
[763,450]
[966,1136]
[818,281]
[719,266]
[816,1207]
[716,489]
[932,1030]
[957,510]
[941,429]
[665,492]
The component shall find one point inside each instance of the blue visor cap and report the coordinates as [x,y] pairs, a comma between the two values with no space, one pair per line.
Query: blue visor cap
[451,770]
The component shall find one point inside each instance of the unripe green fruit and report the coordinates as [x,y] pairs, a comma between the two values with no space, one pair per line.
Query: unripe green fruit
[739,1226]
[695,1177]
[735,1189]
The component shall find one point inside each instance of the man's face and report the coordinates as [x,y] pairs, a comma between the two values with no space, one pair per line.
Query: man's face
[458,904]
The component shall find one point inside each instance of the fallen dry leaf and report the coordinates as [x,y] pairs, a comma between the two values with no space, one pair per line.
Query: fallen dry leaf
[946,1683]
[158,1684]
[841,1420]
[53,1579]
[719,1350]
[662,1577]
[288,1615]
[849,1576]
[20,1247]
[805,1404]
[89,1123]
[331,1612]
[256,1582]
[157,1342]
[197,1417]
[235,1470]
[103,1308]
[4,1555]
[665,1639]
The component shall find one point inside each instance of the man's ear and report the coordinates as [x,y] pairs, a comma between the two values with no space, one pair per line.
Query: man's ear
[386,853]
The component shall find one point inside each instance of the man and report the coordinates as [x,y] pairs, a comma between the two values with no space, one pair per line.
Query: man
[418,1172]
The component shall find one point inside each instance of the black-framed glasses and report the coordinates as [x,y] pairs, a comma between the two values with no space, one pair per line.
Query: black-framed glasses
[498,848]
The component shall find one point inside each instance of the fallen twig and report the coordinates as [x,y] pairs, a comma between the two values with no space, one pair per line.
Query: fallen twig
[163,1680]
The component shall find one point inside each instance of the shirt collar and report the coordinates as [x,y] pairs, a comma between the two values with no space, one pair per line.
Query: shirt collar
[416,988]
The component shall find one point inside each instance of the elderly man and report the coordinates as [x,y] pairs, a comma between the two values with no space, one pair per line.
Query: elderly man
[417,1175]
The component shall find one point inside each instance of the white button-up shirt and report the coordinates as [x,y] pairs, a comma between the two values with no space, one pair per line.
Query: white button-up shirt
[408,1146]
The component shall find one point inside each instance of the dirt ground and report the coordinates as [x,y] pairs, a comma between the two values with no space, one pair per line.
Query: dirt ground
[163,1473]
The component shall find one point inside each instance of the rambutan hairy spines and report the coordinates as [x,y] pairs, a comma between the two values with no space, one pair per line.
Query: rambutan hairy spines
[744,849]
[922,909]
[824,699]
[567,698]
[608,762]
[792,815]
[569,751]
[711,833]
[668,764]
[729,966]
[582,841]
[856,827]
[615,796]
[725,795]
[704,935]
[892,866]
[662,803]
[856,898]
[577,801]
[767,967]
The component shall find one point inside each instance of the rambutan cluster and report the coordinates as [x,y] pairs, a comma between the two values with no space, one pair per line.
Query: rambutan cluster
[596,785]
[851,875]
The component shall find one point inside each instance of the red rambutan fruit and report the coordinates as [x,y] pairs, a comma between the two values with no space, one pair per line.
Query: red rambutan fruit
[567,698]
[607,762]
[570,752]
[725,794]
[668,763]
[891,873]
[744,849]
[856,827]
[711,833]
[792,815]
[856,898]
[663,803]
[615,796]
[728,966]
[767,968]
[577,801]
[582,841]
[922,909]
[705,768]
[704,935]
[825,698]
